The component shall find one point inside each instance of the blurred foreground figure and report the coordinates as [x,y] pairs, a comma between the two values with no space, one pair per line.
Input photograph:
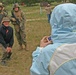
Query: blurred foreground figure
[18,20]
[6,39]
[58,58]
[3,13]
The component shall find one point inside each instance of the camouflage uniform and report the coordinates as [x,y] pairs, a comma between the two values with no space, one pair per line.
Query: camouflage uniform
[18,20]
[2,13]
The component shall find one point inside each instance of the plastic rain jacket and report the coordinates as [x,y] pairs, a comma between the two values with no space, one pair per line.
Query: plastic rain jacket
[58,58]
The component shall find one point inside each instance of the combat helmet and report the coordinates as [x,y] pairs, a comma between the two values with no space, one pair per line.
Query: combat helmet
[1,5]
[5,19]
[16,5]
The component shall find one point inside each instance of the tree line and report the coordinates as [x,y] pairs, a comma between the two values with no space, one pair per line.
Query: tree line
[31,2]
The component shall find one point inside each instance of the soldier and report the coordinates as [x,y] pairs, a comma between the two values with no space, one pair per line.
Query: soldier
[6,39]
[48,11]
[18,20]
[2,12]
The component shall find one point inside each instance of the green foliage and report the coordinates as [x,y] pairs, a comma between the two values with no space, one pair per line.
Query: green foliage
[33,2]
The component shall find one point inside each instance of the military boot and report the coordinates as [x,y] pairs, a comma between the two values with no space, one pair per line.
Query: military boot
[3,62]
[20,47]
[26,49]
[9,55]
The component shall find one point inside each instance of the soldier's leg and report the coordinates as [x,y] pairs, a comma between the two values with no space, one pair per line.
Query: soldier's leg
[4,56]
[9,55]
[23,37]
[18,36]
[48,15]
[17,33]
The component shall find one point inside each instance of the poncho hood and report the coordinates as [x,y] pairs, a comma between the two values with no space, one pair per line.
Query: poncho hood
[63,22]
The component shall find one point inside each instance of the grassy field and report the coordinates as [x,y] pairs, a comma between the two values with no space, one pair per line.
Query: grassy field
[36,27]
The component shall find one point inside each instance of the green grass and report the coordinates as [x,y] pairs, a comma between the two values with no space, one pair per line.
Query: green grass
[36,15]
[35,30]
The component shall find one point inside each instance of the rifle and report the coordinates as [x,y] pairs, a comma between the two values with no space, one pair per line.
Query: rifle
[17,20]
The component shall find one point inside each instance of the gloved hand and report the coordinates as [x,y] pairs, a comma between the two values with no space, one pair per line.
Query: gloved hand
[12,19]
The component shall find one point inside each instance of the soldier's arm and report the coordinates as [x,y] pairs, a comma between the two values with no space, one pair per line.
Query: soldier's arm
[2,40]
[12,18]
[23,16]
[5,13]
[46,8]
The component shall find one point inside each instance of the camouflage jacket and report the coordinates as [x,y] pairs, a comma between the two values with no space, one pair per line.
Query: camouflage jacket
[17,16]
[2,14]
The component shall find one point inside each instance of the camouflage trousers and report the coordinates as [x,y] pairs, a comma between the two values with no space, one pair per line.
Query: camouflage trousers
[5,55]
[20,34]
